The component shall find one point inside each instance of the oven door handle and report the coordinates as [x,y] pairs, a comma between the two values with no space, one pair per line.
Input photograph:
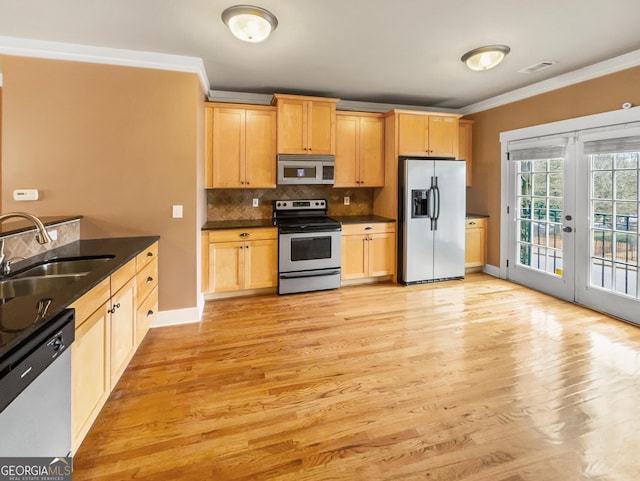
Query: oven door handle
[298,275]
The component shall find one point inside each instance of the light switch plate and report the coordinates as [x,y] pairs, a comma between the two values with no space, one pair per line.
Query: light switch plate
[347,200]
[25,194]
[177,212]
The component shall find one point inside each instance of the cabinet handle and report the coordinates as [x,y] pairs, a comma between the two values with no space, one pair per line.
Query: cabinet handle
[149,280]
[149,254]
[368,228]
[305,148]
[149,313]
[472,223]
[245,234]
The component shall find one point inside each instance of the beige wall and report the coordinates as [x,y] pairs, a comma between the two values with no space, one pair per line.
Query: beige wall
[594,96]
[119,146]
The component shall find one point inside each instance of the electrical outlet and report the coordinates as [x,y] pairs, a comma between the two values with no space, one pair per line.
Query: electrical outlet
[347,200]
[256,202]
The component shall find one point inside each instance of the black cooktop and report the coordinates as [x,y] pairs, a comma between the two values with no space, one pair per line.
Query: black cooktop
[303,214]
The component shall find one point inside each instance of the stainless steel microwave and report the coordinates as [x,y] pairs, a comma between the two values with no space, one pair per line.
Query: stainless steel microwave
[305,169]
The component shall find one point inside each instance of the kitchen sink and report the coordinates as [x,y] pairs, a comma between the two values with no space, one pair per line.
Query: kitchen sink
[34,286]
[63,267]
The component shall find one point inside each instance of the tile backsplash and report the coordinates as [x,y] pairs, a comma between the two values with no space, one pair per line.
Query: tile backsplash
[228,204]
[24,245]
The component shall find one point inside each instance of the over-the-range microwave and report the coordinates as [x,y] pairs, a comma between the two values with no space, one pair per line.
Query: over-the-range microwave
[305,169]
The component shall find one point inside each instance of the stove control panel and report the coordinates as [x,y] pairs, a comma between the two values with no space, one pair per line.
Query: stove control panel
[300,204]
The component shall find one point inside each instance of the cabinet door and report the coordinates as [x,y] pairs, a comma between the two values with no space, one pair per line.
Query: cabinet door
[413,134]
[371,152]
[322,129]
[122,329]
[292,126]
[382,254]
[228,147]
[261,263]
[465,145]
[443,136]
[226,266]
[354,257]
[475,243]
[260,148]
[90,373]
[347,151]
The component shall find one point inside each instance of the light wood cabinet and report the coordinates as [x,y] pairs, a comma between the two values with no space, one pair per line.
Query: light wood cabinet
[368,250]
[90,361]
[359,160]
[306,125]
[413,133]
[146,291]
[122,310]
[109,328]
[241,146]
[475,243]
[240,259]
[427,135]
[465,146]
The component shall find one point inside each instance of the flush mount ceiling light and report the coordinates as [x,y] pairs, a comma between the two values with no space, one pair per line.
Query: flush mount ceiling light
[249,23]
[484,58]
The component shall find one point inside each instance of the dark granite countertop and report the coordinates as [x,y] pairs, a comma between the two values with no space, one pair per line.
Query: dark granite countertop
[360,219]
[19,317]
[18,225]
[476,216]
[237,224]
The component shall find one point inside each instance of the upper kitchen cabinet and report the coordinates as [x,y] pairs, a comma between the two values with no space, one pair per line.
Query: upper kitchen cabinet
[423,134]
[240,146]
[465,144]
[412,133]
[359,160]
[306,125]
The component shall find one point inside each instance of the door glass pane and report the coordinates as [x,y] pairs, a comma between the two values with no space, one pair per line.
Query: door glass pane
[539,214]
[614,222]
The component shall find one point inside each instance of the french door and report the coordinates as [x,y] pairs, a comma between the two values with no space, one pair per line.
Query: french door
[609,201]
[573,213]
[542,210]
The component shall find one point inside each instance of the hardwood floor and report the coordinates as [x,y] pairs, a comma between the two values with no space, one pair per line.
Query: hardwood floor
[475,380]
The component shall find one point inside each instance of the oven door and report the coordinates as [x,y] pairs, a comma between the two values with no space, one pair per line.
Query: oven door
[306,251]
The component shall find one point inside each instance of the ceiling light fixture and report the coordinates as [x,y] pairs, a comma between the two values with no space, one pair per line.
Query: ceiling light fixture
[484,58]
[249,23]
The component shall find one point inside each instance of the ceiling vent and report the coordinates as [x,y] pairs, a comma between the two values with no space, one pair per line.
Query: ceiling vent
[537,67]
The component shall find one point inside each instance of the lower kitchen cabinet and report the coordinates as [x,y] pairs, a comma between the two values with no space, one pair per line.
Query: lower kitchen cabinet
[475,256]
[368,250]
[90,365]
[122,329]
[109,329]
[240,259]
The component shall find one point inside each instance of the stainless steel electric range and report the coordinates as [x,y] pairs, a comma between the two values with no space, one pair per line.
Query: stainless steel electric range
[309,244]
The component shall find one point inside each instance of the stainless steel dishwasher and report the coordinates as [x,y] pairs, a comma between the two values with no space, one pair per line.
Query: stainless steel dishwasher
[35,393]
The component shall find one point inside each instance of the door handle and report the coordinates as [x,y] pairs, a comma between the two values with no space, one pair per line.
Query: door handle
[567,229]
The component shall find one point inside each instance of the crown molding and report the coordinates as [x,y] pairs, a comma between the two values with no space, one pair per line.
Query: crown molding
[110,56]
[613,65]
[348,105]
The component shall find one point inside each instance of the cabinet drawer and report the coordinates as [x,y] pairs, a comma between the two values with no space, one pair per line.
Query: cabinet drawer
[476,222]
[230,235]
[146,314]
[146,280]
[91,301]
[146,256]
[123,275]
[369,228]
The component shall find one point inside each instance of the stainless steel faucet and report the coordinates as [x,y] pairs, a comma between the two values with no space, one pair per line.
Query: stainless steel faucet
[42,236]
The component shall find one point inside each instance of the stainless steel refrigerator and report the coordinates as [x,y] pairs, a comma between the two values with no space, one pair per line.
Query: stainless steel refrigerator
[431,214]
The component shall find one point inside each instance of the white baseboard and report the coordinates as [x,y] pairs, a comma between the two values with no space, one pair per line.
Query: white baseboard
[178,316]
[491,270]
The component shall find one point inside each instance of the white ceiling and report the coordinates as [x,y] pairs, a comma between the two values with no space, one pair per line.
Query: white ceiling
[389,51]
